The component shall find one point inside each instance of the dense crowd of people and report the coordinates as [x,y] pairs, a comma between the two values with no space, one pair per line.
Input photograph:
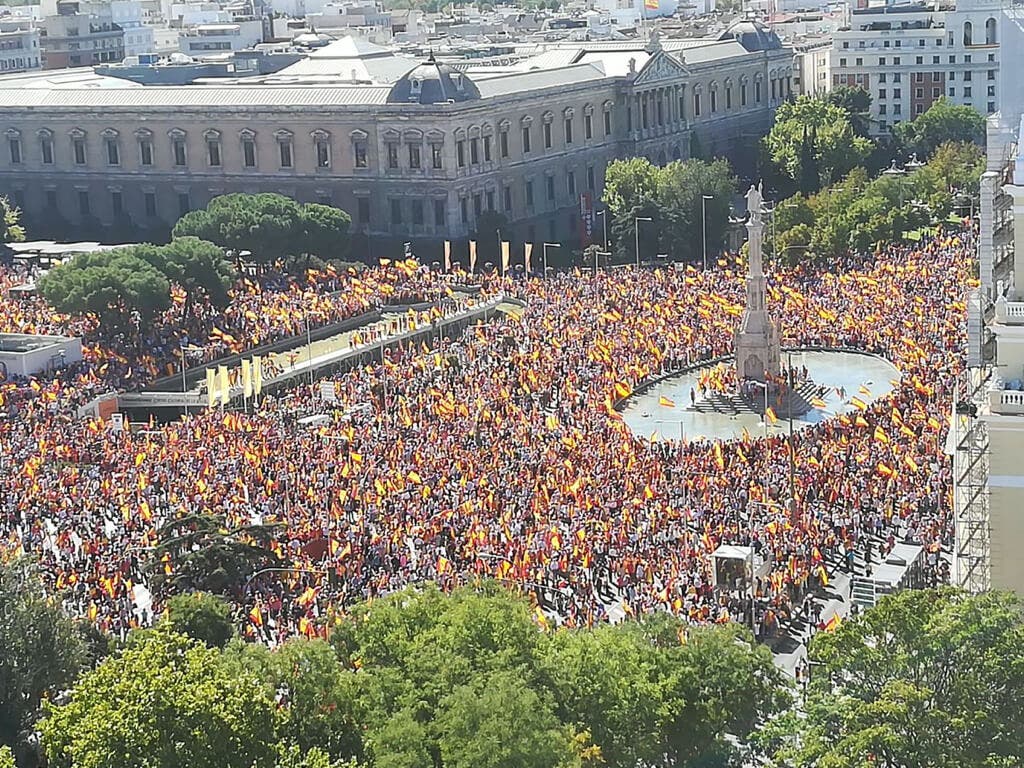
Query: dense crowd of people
[497,453]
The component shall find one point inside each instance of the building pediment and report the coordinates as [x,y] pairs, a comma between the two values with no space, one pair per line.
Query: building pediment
[661,66]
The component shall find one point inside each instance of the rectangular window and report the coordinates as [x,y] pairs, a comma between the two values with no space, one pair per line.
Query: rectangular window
[991,90]
[607,123]
[460,154]
[435,156]
[881,61]
[396,212]
[113,152]
[15,146]
[936,93]
[967,92]
[184,203]
[474,151]
[439,213]
[526,139]
[478,205]
[179,153]
[414,155]
[249,153]
[728,98]
[285,150]
[588,127]
[991,74]
[696,105]
[359,149]
[590,178]
[757,91]
[464,210]
[503,143]
[547,135]
[417,213]
[116,203]
[881,109]
[551,187]
[952,92]
[323,154]
[487,149]
[881,77]
[213,153]
[568,130]
[507,194]
[363,210]
[490,200]
[83,203]
[881,93]
[570,180]
[78,150]
[46,151]
[392,150]
[145,152]
[529,194]
[150,203]
[897,93]
[743,95]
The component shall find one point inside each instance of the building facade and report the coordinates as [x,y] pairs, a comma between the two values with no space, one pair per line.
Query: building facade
[80,34]
[19,46]
[908,56]
[413,151]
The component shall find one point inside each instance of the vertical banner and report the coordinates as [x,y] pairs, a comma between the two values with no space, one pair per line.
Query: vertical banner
[472,256]
[257,375]
[528,252]
[586,219]
[211,388]
[447,255]
[505,246]
[225,384]
[246,379]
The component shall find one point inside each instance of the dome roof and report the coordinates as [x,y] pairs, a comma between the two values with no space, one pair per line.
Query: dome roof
[752,35]
[432,83]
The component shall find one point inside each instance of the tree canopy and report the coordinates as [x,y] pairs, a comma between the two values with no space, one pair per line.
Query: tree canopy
[672,196]
[926,678]
[270,226]
[942,122]
[814,131]
[201,616]
[11,230]
[40,652]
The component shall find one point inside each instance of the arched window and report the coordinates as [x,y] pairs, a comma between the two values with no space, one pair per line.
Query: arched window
[968,33]
[990,32]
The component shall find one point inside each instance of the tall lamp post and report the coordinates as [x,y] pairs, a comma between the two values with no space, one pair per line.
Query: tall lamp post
[603,213]
[636,225]
[544,248]
[704,226]
[764,416]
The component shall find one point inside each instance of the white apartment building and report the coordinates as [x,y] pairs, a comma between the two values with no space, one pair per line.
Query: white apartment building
[138,37]
[213,39]
[907,56]
[987,435]
[811,65]
[19,46]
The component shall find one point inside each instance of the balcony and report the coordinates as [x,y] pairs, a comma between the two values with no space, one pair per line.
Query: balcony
[1009,312]
[1006,402]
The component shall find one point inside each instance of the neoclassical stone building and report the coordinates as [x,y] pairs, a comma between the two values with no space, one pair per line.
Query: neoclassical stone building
[413,151]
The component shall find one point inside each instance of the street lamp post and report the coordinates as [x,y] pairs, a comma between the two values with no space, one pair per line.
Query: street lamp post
[606,254]
[704,226]
[603,213]
[544,248]
[764,416]
[636,226]
[894,171]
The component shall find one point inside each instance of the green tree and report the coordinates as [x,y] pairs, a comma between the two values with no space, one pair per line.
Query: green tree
[198,266]
[11,230]
[496,721]
[836,148]
[40,651]
[6,757]
[942,122]
[856,102]
[269,226]
[318,698]
[163,701]
[400,742]
[926,678]
[203,555]
[673,198]
[117,286]
[202,617]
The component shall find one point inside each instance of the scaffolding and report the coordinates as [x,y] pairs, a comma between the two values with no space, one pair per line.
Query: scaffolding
[970,444]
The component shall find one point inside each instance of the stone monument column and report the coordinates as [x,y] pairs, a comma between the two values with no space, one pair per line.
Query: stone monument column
[757,340]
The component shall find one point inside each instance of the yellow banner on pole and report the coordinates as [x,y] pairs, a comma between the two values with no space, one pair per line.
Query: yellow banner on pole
[211,388]
[472,255]
[528,249]
[246,378]
[257,375]
[225,384]
[447,255]
[505,246]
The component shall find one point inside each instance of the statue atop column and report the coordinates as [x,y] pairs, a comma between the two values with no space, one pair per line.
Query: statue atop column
[757,339]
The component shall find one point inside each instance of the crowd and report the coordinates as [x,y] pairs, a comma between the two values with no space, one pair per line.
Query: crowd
[497,454]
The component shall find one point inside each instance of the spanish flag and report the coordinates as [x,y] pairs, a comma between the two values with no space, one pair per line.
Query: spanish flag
[770,414]
[910,463]
[833,624]
[651,5]
[856,402]
[256,616]
[880,435]
[444,565]
[664,401]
